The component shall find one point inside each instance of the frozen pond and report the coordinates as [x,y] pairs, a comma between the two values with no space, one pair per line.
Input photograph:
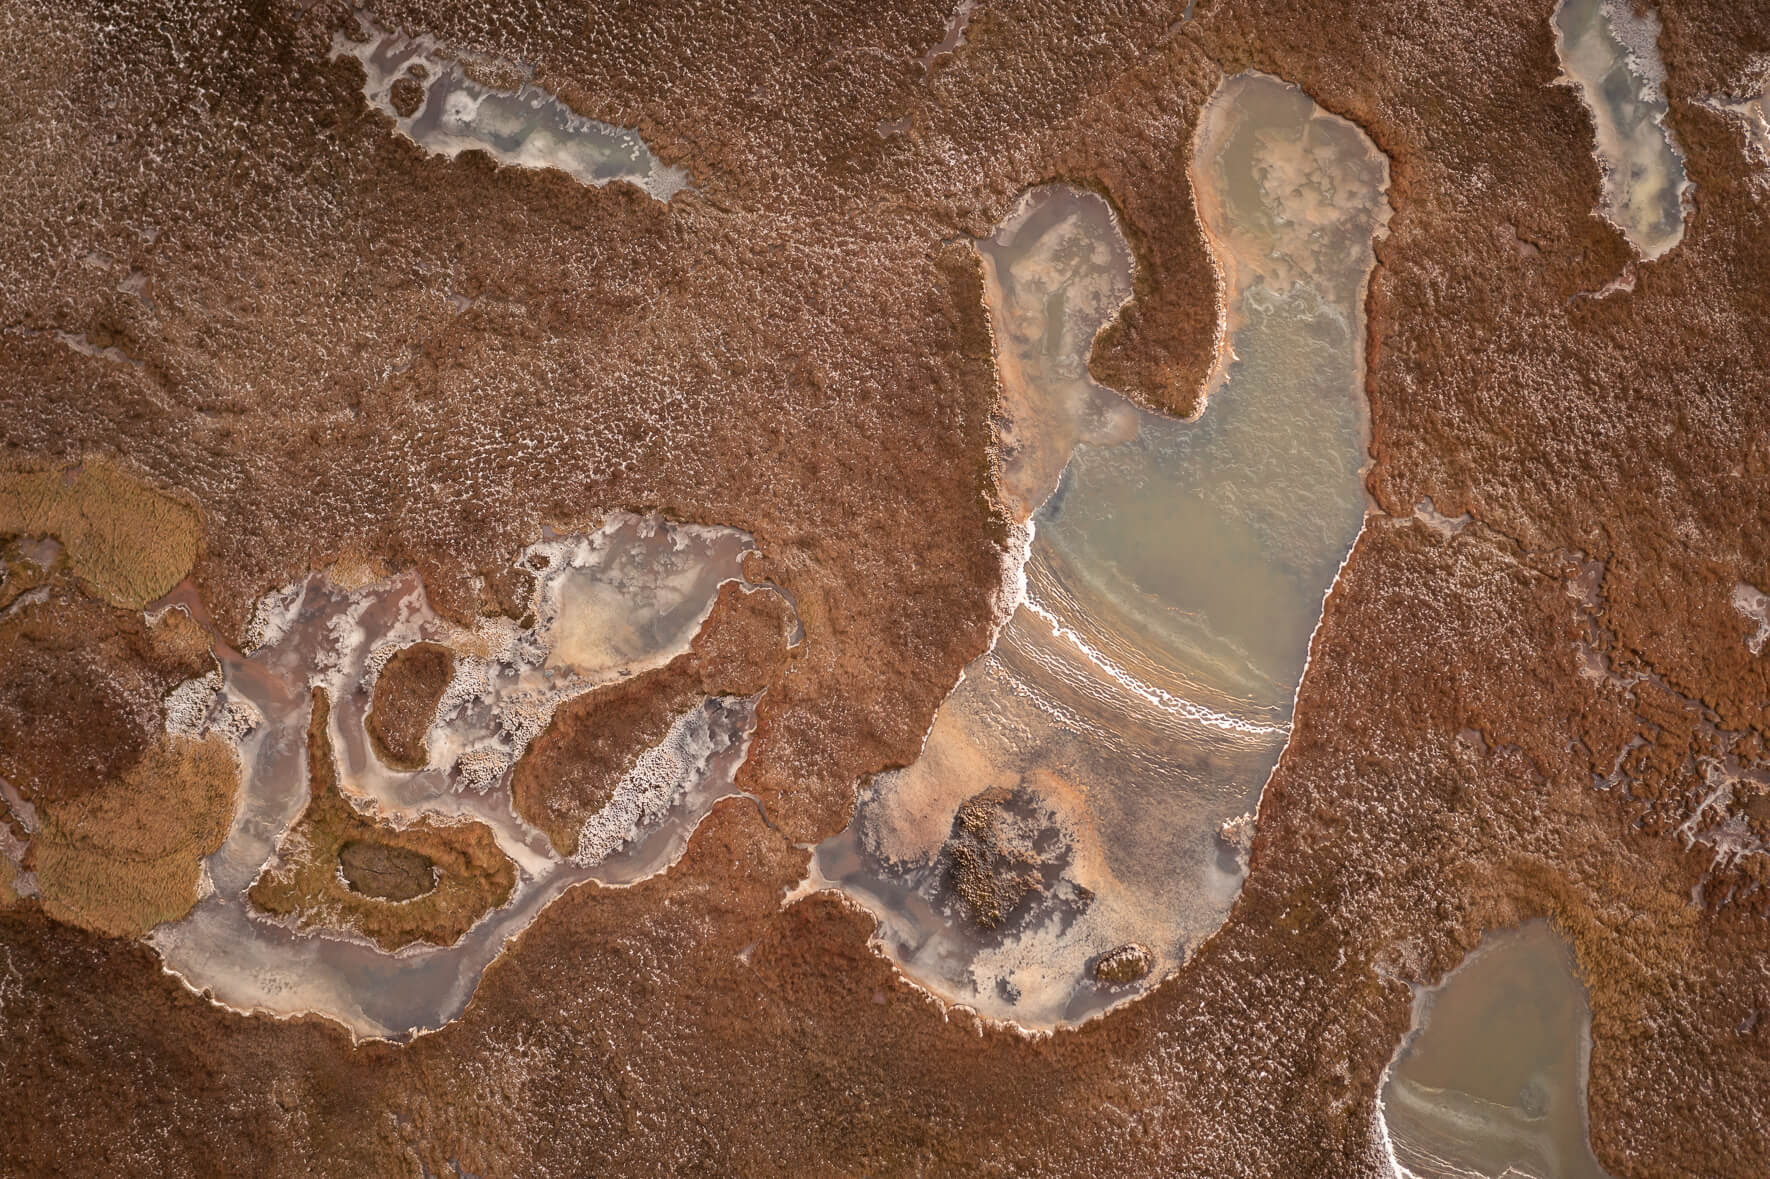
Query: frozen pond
[1079,817]
[433,102]
[608,605]
[1610,50]
[1491,1081]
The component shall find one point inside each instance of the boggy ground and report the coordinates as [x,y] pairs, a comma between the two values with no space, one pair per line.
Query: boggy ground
[396,886]
[573,768]
[796,347]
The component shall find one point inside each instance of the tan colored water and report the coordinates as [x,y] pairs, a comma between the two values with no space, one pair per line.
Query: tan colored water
[1492,1080]
[1139,693]
[1610,50]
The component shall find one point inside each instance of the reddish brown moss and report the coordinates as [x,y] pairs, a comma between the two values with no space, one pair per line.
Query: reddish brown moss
[404,704]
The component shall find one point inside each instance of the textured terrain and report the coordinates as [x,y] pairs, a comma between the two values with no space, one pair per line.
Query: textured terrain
[118,812]
[404,703]
[337,869]
[224,275]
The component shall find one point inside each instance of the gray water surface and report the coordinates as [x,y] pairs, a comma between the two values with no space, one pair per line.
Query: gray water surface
[1491,1081]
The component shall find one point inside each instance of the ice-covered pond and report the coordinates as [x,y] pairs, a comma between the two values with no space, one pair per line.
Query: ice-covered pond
[1491,1080]
[1079,817]
[1610,50]
[607,605]
[431,98]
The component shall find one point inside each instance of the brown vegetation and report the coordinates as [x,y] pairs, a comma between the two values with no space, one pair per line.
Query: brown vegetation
[404,704]
[335,869]
[122,814]
[346,345]
[126,541]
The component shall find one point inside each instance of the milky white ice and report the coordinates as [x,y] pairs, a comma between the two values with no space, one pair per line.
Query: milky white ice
[1753,605]
[527,127]
[607,605]
[1754,111]
[1088,781]
[1610,52]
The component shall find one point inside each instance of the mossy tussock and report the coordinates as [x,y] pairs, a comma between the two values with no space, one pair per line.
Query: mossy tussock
[337,869]
[404,704]
[128,543]
[121,812]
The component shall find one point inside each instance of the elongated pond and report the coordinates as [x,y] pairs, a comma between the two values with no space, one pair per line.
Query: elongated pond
[433,101]
[1079,817]
[1610,50]
[1491,1081]
[607,606]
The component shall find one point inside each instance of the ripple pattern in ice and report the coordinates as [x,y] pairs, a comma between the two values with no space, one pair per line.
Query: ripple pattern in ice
[1491,1081]
[1079,816]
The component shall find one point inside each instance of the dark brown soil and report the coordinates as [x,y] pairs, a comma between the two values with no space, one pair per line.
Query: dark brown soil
[385,872]
[571,770]
[1126,964]
[407,95]
[994,864]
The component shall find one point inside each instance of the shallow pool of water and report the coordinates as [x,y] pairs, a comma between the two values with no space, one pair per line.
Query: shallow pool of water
[527,126]
[1100,761]
[1610,50]
[646,582]
[1491,1081]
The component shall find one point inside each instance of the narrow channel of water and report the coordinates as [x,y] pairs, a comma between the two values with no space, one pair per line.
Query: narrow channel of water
[1491,1081]
[1084,797]
[608,605]
[426,92]
[1610,50]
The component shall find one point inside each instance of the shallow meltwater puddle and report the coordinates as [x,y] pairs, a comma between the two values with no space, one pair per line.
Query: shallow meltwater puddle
[1491,1081]
[1610,50]
[1079,817]
[607,607]
[432,100]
